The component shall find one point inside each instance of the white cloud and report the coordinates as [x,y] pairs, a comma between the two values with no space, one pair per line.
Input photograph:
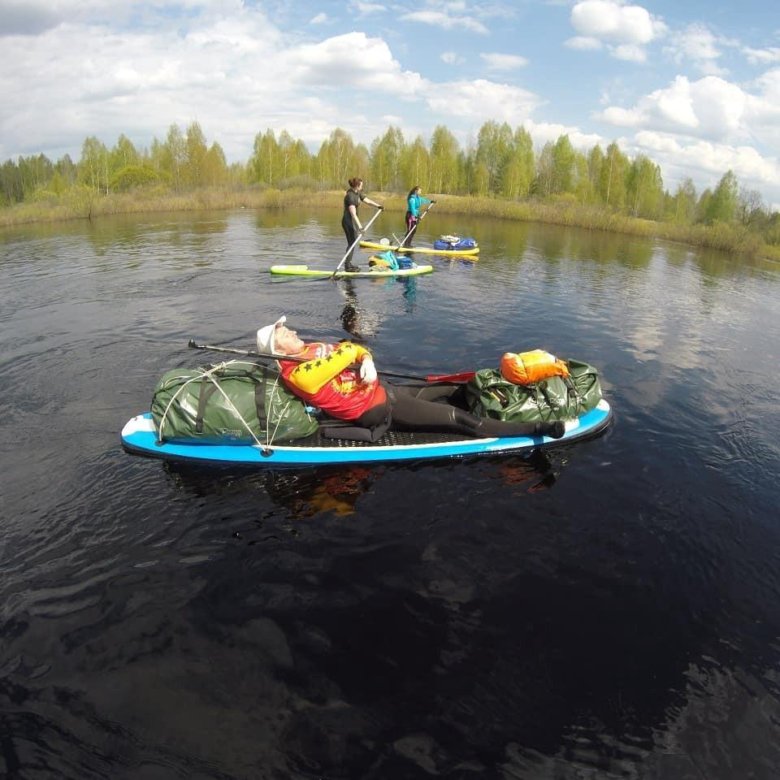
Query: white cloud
[351,60]
[629,52]
[366,9]
[495,61]
[550,132]
[483,99]
[321,18]
[679,158]
[762,56]
[624,29]
[708,108]
[699,45]
[446,21]
[583,43]
[451,58]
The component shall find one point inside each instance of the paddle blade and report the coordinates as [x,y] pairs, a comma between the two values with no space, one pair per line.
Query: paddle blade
[463,376]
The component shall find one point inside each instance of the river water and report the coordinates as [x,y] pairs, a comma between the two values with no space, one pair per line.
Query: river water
[609,609]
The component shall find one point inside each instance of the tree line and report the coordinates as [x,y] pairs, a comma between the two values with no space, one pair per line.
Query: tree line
[501,162]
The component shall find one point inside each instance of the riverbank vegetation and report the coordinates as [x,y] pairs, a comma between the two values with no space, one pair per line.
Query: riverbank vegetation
[500,174]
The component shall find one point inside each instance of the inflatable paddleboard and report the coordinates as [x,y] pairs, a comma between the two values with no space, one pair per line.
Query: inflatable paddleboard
[139,436]
[429,250]
[363,273]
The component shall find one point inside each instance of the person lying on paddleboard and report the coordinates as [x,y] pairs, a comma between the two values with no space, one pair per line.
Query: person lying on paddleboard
[341,380]
[413,202]
[350,221]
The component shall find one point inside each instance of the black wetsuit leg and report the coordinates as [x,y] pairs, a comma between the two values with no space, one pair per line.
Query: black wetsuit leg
[411,228]
[411,412]
[349,231]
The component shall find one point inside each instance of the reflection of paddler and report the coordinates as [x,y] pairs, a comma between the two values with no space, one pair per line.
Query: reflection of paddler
[307,494]
[536,471]
[339,493]
[356,321]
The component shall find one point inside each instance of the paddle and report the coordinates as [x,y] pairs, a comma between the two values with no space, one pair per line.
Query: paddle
[463,376]
[355,242]
[416,225]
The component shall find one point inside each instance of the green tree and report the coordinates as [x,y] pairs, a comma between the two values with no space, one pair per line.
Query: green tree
[494,150]
[215,170]
[444,167]
[517,174]
[265,164]
[612,181]
[123,154]
[415,165]
[684,203]
[11,187]
[583,186]
[595,164]
[195,151]
[562,154]
[93,166]
[750,209]
[386,159]
[172,157]
[703,205]
[66,168]
[722,207]
[35,173]
[545,172]
[338,159]
[294,157]
[644,188]
[133,176]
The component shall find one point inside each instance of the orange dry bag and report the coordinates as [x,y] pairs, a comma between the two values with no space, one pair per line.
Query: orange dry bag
[526,368]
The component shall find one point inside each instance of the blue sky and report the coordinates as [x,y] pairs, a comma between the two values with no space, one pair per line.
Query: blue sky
[693,85]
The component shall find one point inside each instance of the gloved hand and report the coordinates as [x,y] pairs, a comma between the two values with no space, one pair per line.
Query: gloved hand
[433,201]
[368,370]
[380,207]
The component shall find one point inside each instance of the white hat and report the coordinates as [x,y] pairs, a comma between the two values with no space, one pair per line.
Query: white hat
[265,337]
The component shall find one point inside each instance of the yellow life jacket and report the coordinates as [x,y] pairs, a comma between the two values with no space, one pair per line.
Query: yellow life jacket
[526,368]
[378,262]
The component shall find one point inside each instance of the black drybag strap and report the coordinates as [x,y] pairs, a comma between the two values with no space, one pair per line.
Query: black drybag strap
[207,389]
[261,394]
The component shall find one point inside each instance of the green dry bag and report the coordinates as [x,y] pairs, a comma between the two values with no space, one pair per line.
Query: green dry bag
[227,404]
[556,398]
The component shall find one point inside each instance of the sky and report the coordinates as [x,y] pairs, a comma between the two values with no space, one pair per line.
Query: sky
[693,85]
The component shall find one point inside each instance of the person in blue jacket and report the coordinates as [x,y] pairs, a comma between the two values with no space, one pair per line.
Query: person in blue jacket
[413,202]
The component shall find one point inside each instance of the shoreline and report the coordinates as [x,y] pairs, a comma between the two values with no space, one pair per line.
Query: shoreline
[83,204]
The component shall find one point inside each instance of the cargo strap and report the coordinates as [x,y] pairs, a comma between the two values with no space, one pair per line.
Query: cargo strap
[204,395]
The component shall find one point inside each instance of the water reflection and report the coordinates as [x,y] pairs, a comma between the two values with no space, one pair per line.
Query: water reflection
[360,323]
[359,320]
[308,493]
[192,231]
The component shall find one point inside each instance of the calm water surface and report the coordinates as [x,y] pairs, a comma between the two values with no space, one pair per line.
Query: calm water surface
[607,610]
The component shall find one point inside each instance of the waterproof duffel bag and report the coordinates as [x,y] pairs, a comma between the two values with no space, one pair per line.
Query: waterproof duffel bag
[454,242]
[555,398]
[237,402]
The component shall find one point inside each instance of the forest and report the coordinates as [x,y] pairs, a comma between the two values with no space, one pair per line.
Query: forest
[501,165]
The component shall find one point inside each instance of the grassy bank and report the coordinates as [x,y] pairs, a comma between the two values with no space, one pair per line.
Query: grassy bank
[83,203]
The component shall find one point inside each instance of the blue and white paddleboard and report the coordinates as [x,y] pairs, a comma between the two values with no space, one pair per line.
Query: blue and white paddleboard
[139,436]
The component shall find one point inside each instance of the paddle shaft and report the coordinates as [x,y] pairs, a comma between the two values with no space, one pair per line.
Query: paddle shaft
[356,241]
[463,376]
[413,227]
